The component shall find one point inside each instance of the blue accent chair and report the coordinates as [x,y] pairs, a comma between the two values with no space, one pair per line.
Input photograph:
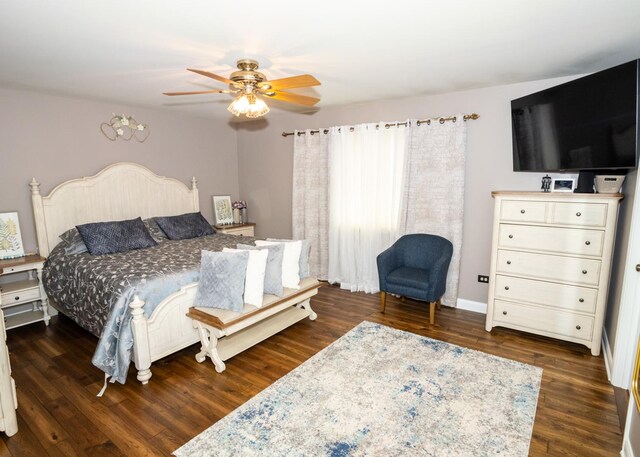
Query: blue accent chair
[415,266]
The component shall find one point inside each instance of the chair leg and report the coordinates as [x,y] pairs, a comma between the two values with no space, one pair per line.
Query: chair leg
[383,301]
[439,304]
[432,312]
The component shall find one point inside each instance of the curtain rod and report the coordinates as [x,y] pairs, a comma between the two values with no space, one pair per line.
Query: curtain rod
[442,120]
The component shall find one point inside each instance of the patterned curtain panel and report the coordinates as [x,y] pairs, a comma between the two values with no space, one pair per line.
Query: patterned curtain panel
[311,198]
[433,197]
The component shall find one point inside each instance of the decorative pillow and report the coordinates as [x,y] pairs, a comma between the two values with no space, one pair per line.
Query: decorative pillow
[117,236]
[73,243]
[221,282]
[273,272]
[254,280]
[154,230]
[185,226]
[305,253]
[290,262]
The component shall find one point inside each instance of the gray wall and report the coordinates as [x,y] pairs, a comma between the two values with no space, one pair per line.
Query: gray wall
[57,138]
[265,161]
[620,257]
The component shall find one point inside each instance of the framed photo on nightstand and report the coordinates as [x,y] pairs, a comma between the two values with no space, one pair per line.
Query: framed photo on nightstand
[222,209]
[10,237]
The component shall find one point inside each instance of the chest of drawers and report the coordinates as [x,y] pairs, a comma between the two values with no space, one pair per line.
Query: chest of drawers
[550,264]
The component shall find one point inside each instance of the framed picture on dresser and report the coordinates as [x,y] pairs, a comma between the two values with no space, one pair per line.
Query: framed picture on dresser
[563,185]
[222,209]
[10,237]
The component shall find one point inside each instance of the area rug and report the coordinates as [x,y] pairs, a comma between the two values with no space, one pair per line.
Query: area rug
[378,391]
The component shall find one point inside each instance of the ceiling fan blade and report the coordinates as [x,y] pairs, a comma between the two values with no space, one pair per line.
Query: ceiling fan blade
[198,92]
[212,75]
[292,98]
[293,81]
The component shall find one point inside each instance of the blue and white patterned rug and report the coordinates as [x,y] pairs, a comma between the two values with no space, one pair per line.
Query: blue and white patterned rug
[378,391]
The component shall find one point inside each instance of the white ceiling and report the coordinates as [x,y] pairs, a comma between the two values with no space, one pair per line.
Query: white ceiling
[131,51]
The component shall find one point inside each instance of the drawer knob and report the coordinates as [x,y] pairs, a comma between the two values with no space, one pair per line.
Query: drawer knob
[584,272]
[506,287]
[504,312]
[581,300]
[17,298]
[510,236]
[578,327]
[587,242]
[508,262]
[522,211]
[578,214]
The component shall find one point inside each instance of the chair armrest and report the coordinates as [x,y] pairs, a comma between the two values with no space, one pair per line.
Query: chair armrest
[438,274]
[387,262]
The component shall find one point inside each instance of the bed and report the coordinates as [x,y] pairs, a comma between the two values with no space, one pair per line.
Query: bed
[145,318]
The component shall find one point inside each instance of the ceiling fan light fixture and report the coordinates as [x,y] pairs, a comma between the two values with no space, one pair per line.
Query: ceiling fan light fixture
[249,105]
[239,106]
[257,109]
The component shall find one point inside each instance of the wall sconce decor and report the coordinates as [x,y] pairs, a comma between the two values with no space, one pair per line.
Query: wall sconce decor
[124,127]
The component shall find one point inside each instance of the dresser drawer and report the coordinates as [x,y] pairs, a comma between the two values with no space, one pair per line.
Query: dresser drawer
[552,239]
[20,292]
[562,296]
[582,214]
[522,211]
[543,320]
[551,267]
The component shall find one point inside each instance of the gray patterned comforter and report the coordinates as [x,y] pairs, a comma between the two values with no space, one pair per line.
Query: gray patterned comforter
[95,291]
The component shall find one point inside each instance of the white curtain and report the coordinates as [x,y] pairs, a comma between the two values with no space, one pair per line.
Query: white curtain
[366,168]
[355,192]
[433,196]
[310,213]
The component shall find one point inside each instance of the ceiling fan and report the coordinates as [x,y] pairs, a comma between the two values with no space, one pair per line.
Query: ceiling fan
[251,86]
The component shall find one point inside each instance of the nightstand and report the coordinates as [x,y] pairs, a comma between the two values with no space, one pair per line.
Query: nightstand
[8,398]
[237,229]
[24,291]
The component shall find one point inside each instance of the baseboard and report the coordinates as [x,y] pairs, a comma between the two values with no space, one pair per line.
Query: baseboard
[606,353]
[470,305]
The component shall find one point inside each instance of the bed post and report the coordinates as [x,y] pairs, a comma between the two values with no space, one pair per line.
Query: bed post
[38,215]
[194,191]
[141,348]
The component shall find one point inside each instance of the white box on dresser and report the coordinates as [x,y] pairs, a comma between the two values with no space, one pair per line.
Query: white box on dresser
[550,264]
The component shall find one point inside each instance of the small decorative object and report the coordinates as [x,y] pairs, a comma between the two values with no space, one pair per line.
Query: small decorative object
[563,185]
[10,237]
[240,207]
[222,209]
[609,184]
[546,183]
[124,127]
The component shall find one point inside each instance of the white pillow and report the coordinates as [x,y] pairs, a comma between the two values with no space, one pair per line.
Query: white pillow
[254,279]
[290,262]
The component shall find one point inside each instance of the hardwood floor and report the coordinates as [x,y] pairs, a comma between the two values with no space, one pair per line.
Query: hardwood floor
[60,415]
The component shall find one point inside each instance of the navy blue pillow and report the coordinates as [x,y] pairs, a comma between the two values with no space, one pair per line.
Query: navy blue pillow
[185,226]
[117,236]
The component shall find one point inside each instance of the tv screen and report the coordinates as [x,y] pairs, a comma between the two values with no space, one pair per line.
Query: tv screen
[586,124]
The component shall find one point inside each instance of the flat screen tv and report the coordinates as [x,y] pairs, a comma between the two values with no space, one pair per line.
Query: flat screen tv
[590,123]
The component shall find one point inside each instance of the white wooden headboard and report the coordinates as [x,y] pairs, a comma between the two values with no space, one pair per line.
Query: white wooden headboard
[120,191]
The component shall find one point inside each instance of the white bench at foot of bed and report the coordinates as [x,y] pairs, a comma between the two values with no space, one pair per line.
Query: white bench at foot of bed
[224,334]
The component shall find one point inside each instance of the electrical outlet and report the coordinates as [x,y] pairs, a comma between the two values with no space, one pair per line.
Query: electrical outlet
[483,278]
